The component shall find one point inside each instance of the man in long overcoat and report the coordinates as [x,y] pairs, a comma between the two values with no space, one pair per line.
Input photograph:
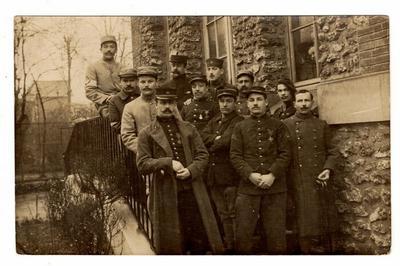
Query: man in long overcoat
[181,213]
[311,173]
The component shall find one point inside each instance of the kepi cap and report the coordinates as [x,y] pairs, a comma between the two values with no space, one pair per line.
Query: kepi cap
[245,73]
[108,38]
[215,62]
[255,89]
[166,91]
[178,58]
[197,77]
[128,73]
[227,91]
[147,71]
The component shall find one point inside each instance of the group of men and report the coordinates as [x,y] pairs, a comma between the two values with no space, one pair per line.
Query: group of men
[222,165]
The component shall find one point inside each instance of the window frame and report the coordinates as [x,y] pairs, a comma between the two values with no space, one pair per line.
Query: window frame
[230,76]
[292,63]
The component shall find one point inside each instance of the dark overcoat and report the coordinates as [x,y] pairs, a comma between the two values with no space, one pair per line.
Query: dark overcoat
[260,145]
[183,89]
[312,152]
[220,169]
[155,154]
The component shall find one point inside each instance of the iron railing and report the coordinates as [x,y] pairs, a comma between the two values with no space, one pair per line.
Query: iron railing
[94,142]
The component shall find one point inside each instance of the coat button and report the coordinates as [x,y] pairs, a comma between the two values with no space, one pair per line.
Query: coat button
[315,146]
[213,164]
[261,156]
[300,165]
[261,164]
[299,147]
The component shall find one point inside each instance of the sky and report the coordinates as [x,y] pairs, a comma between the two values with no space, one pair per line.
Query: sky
[47,48]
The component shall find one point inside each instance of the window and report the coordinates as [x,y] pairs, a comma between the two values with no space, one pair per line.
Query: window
[218,42]
[303,34]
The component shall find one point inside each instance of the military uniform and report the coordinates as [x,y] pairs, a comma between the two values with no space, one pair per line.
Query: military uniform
[118,102]
[180,83]
[260,145]
[199,111]
[282,113]
[102,80]
[313,151]
[180,210]
[138,114]
[222,178]
[241,105]
[116,108]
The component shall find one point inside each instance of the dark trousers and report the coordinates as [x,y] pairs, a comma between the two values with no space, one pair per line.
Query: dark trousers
[194,234]
[224,199]
[271,209]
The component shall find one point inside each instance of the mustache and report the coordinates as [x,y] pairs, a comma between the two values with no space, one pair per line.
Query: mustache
[167,111]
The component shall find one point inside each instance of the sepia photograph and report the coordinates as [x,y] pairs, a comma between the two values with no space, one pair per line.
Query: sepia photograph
[202,135]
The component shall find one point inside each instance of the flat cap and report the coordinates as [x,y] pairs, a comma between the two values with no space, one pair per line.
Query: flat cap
[215,62]
[108,38]
[147,71]
[255,89]
[166,91]
[128,73]
[245,73]
[178,58]
[197,77]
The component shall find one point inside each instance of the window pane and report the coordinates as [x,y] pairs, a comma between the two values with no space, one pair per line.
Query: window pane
[305,64]
[221,37]
[209,19]
[226,69]
[300,21]
[211,40]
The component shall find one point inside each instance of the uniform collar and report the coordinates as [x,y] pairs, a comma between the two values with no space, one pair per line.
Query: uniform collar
[204,99]
[264,116]
[228,117]
[303,116]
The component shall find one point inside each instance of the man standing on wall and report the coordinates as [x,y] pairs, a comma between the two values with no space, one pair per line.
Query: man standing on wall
[181,213]
[129,92]
[311,171]
[260,153]
[102,81]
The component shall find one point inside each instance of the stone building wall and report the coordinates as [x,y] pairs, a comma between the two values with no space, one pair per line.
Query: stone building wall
[259,45]
[352,45]
[185,38]
[363,183]
[149,39]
